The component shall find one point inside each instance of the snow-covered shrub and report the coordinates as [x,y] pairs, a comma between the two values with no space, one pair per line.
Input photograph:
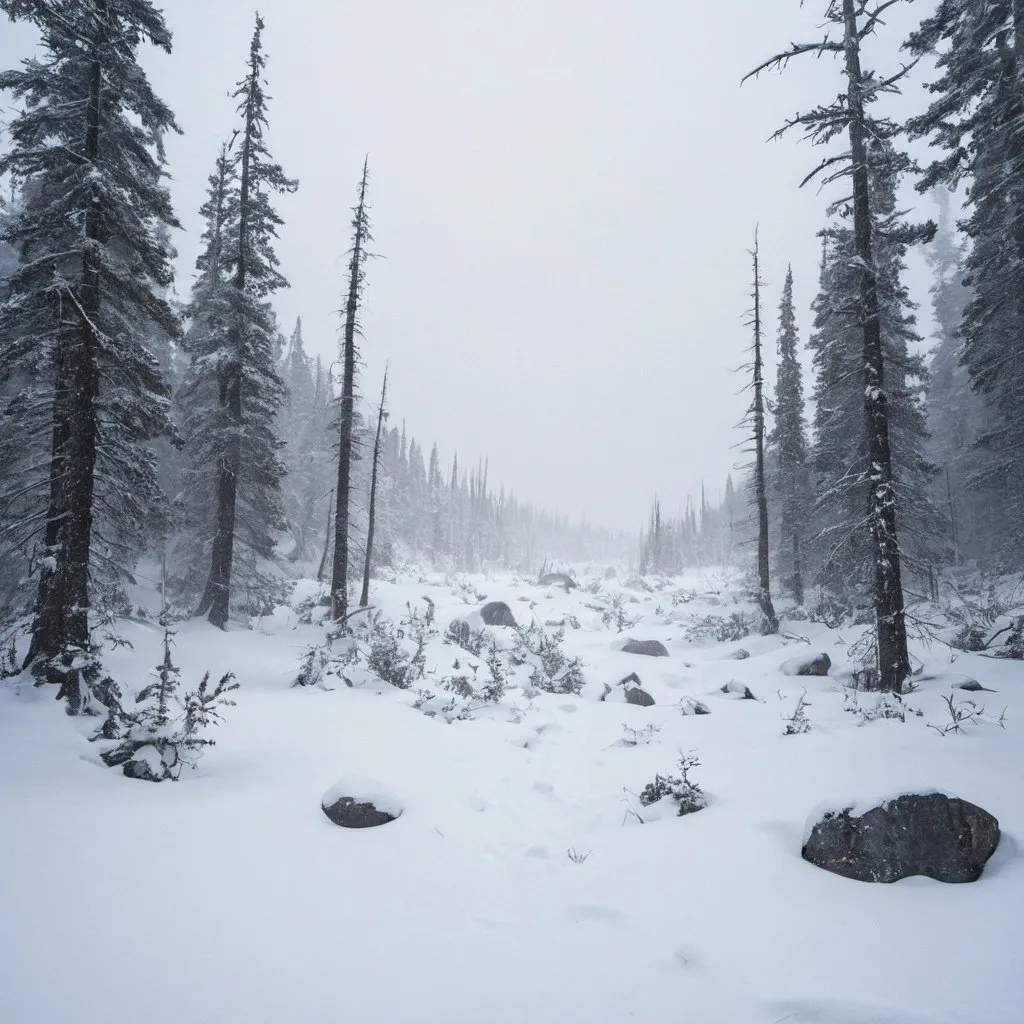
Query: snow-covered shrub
[969,637]
[472,685]
[829,611]
[961,713]
[686,793]
[316,662]
[462,635]
[798,722]
[614,615]
[385,655]
[884,706]
[717,627]
[551,669]
[164,732]
[638,737]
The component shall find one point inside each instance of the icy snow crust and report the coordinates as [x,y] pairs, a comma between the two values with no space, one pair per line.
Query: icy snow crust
[226,899]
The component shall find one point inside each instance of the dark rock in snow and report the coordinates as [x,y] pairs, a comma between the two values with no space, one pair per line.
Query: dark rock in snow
[973,686]
[610,573]
[807,665]
[742,689]
[557,579]
[348,813]
[497,613]
[740,654]
[139,768]
[639,696]
[931,834]
[651,648]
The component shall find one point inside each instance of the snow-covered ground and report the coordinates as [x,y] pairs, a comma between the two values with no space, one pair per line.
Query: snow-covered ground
[519,884]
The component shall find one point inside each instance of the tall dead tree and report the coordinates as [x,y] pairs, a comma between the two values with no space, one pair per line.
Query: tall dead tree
[364,596]
[346,413]
[856,20]
[756,419]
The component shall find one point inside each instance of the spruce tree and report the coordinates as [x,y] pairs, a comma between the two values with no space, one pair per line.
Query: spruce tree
[788,441]
[849,114]
[977,122]
[346,406]
[756,422]
[93,265]
[239,425]
[841,470]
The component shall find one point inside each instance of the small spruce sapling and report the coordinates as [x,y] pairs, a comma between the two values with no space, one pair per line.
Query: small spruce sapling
[164,732]
[681,788]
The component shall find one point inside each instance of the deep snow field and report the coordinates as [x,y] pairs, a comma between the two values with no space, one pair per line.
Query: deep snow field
[519,885]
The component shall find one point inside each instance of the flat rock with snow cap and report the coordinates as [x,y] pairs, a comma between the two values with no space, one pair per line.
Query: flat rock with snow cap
[360,803]
[807,665]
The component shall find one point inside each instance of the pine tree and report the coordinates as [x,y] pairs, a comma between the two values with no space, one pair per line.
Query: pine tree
[788,441]
[346,406]
[756,421]
[93,263]
[977,121]
[857,20]
[240,426]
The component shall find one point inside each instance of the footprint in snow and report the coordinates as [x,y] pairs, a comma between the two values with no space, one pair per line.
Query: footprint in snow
[601,915]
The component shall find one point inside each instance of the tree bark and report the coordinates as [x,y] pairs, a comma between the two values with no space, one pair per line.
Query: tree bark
[893,657]
[771,621]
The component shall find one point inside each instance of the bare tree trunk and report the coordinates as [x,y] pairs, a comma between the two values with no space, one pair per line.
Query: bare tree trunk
[339,574]
[364,596]
[893,658]
[771,620]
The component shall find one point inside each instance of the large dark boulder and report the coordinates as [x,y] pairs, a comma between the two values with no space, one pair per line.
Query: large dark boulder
[497,613]
[650,648]
[557,579]
[940,836]
[639,696]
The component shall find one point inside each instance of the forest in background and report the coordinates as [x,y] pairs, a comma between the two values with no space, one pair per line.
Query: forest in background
[198,437]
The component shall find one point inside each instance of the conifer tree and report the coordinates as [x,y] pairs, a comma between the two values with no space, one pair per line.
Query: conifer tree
[756,421]
[788,441]
[249,392]
[346,405]
[849,115]
[977,121]
[93,264]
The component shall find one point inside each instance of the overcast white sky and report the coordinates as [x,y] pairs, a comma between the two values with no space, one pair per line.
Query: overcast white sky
[564,193]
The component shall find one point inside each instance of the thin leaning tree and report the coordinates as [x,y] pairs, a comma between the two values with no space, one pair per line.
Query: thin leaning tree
[848,115]
[364,596]
[346,406]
